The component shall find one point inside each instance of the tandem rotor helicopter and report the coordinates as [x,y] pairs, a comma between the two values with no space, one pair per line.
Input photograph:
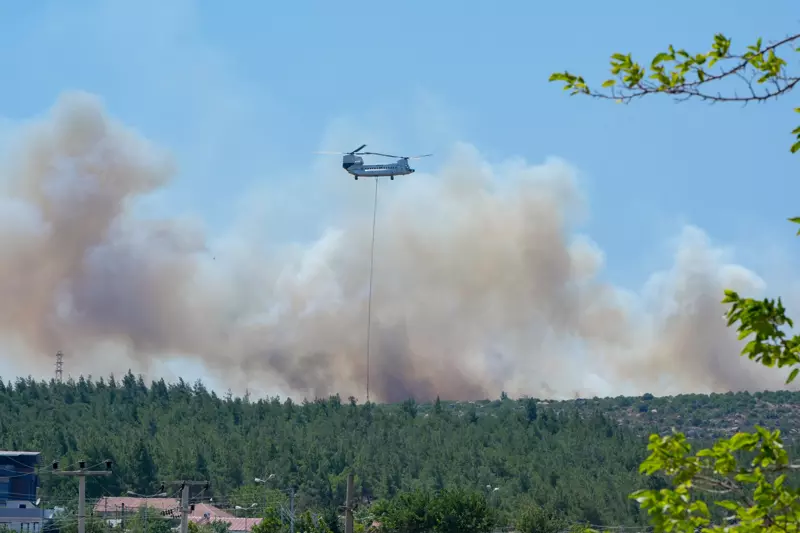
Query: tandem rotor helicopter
[354,164]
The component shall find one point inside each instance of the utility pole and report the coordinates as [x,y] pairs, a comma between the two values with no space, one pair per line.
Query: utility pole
[348,506]
[81,474]
[282,508]
[291,510]
[264,481]
[185,509]
[40,503]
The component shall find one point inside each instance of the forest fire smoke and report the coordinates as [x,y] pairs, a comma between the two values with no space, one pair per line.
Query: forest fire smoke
[479,284]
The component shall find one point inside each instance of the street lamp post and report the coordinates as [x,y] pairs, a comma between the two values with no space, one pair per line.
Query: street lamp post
[291,499]
[266,490]
[492,495]
[240,508]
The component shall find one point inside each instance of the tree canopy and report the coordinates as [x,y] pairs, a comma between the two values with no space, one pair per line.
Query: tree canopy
[576,459]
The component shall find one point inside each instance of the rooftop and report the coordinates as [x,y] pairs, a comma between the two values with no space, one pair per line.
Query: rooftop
[10,453]
[236,524]
[115,504]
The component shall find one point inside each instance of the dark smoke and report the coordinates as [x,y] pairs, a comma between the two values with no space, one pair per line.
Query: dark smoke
[481,285]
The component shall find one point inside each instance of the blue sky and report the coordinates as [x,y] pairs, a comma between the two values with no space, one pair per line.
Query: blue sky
[242,96]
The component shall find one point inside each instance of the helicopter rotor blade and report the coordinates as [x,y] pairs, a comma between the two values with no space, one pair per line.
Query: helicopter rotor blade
[358,149]
[418,156]
[382,155]
[332,153]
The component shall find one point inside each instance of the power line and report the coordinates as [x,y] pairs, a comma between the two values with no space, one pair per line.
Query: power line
[81,474]
[348,504]
[371,265]
[185,510]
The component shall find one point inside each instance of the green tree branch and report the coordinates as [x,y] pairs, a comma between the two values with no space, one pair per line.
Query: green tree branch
[757,495]
[759,69]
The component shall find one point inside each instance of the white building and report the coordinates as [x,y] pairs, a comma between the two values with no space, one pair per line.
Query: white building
[24,516]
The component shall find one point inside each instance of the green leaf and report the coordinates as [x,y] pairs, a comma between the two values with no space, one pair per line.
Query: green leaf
[747,477]
[792,375]
[729,505]
[609,83]
[796,220]
[561,76]
[663,56]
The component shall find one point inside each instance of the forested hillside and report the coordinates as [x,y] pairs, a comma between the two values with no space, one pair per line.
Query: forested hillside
[579,457]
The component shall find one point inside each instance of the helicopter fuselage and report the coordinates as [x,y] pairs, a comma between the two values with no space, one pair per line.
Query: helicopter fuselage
[356,167]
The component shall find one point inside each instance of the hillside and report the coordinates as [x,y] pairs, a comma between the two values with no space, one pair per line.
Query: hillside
[700,416]
[580,457]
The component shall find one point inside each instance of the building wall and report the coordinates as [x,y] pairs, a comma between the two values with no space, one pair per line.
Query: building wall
[22,527]
[18,484]
[24,520]
[18,480]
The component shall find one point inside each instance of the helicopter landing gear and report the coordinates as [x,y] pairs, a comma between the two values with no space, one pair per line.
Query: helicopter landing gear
[391,178]
[355,178]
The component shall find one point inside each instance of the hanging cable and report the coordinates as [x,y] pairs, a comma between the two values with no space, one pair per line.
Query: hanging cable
[371,264]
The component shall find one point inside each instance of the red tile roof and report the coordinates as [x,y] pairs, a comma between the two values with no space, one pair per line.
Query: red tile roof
[115,504]
[201,508]
[237,524]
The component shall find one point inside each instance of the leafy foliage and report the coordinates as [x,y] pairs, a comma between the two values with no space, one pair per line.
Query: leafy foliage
[149,520]
[270,522]
[448,511]
[687,75]
[761,321]
[68,523]
[759,499]
[309,523]
[746,474]
[536,519]
[461,511]
[214,526]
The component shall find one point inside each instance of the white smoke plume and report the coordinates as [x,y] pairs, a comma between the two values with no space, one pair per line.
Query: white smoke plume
[480,284]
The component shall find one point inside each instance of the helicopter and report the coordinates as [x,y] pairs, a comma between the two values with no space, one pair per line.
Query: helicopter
[354,164]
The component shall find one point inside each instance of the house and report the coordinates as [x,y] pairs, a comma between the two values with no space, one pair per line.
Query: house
[111,507]
[114,509]
[237,525]
[18,485]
